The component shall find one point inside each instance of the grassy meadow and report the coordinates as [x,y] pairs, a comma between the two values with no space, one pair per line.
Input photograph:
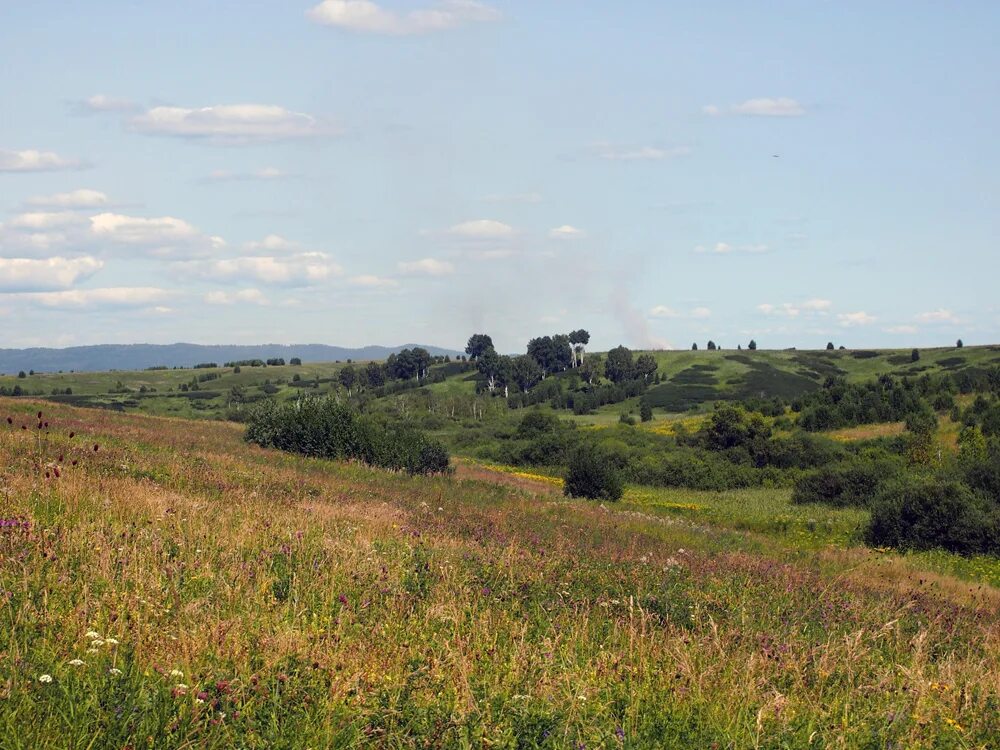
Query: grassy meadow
[175,587]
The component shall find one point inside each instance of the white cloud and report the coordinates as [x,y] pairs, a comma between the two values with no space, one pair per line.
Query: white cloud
[162,236]
[724,248]
[36,161]
[904,329]
[31,275]
[641,153]
[248,296]
[812,307]
[566,232]
[232,124]
[662,311]
[369,17]
[760,107]
[45,220]
[861,318]
[265,174]
[300,269]
[700,313]
[272,243]
[940,315]
[482,229]
[109,297]
[373,282]
[102,103]
[82,198]
[426,267]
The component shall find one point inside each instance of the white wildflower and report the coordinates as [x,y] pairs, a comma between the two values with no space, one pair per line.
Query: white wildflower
[176,673]
[93,634]
[76,662]
[198,700]
[91,650]
[97,643]
[111,641]
[181,686]
[115,671]
[46,678]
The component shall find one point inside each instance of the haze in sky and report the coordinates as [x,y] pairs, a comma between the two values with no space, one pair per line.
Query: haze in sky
[355,172]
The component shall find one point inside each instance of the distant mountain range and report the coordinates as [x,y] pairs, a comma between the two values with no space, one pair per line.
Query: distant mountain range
[141,356]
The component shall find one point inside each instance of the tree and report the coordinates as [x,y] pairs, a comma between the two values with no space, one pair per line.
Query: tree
[619,366]
[959,344]
[590,368]
[348,377]
[22,374]
[375,374]
[645,366]
[972,447]
[526,372]
[497,369]
[752,346]
[578,340]
[829,346]
[552,353]
[593,475]
[915,355]
[478,343]
[694,347]
[711,346]
[645,411]
[295,361]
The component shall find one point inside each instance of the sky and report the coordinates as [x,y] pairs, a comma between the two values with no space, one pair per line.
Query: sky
[352,172]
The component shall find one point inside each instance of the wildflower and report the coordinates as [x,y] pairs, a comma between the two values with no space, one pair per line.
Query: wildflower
[91,650]
[46,678]
[181,686]
[115,671]
[97,642]
[76,662]
[111,641]
[176,673]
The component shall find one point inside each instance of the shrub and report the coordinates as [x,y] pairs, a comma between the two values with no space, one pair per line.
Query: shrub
[932,513]
[327,429]
[853,483]
[645,411]
[590,474]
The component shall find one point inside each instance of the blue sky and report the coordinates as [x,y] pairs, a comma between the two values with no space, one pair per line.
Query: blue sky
[350,172]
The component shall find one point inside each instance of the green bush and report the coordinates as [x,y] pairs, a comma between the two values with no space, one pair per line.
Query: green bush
[327,429]
[932,513]
[592,475]
[848,483]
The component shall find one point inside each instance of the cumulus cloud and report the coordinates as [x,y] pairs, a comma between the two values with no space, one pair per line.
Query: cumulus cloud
[812,307]
[369,17]
[263,174]
[854,319]
[75,299]
[36,161]
[566,232]
[299,269]
[163,236]
[940,315]
[45,220]
[760,107]
[243,296]
[272,243]
[482,229]
[700,313]
[33,275]
[426,267]
[640,153]
[232,124]
[100,103]
[817,304]
[75,199]
[903,329]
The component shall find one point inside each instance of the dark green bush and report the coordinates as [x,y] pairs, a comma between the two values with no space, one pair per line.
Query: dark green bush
[327,429]
[848,483]
[590,474]
[931,513]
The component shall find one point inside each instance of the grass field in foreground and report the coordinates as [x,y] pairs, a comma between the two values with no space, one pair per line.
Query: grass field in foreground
[178,588]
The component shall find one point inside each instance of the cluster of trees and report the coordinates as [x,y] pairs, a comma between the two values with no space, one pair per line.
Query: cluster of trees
[326,428]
